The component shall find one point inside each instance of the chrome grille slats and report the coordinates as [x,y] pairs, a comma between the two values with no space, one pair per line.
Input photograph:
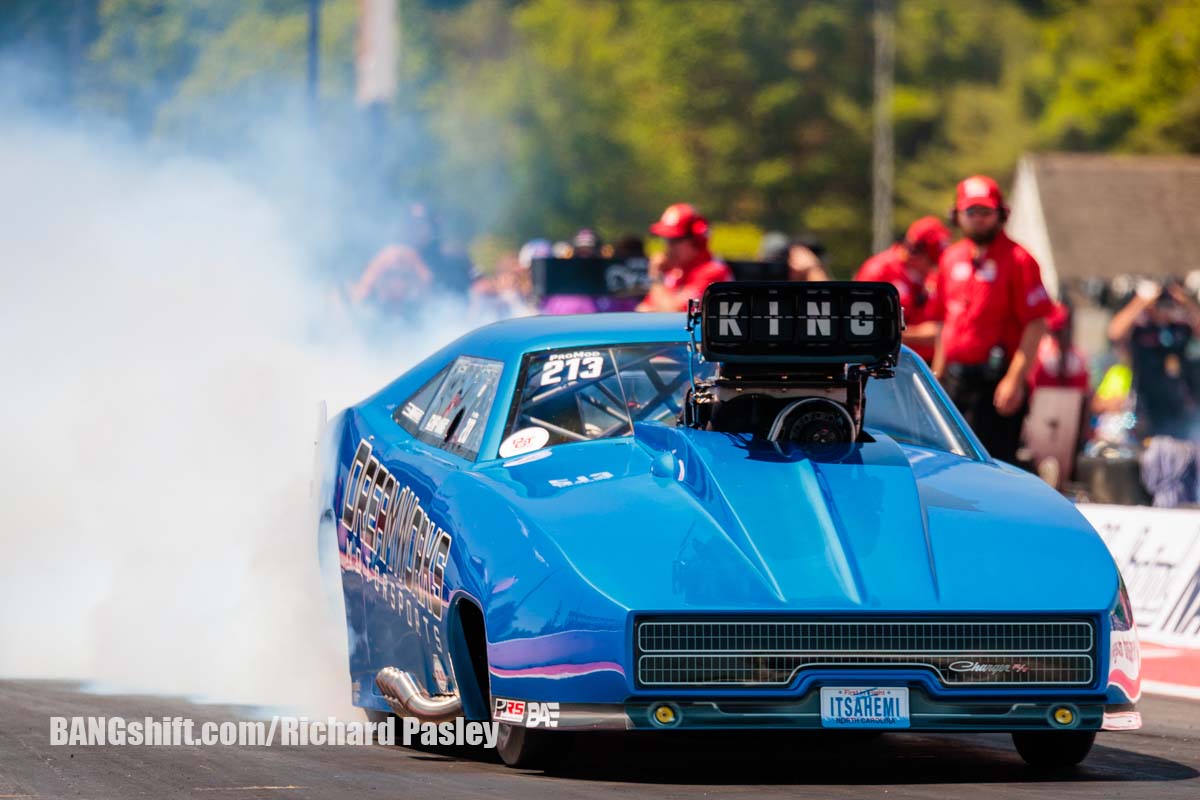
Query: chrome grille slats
[770,653]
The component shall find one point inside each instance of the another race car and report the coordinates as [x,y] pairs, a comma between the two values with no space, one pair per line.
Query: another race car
[759,515]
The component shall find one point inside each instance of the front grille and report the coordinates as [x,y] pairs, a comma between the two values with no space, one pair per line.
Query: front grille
[761,653]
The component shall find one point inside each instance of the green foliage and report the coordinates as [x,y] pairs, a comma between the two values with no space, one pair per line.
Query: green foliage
[526,118]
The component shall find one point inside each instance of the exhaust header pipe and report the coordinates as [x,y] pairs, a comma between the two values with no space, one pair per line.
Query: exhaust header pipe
[407,700]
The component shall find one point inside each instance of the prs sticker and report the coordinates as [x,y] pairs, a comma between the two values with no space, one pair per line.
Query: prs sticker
[524,441]
[508,710]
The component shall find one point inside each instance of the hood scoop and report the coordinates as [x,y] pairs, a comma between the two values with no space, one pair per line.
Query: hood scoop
[841,524]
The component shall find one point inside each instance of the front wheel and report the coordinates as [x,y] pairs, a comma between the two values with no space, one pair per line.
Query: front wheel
[523,748]
[1053,748]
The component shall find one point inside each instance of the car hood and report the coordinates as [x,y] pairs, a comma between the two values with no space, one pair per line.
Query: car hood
[674,519]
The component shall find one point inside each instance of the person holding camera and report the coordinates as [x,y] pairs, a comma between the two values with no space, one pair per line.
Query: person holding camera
[687,268]
[1156,326]
[995,306]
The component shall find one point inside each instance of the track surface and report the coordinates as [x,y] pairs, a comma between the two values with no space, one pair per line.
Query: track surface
[1162,760]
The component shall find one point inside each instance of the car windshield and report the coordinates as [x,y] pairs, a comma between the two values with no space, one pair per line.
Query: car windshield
[594,393]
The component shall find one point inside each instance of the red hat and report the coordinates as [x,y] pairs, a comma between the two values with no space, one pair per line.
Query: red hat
[929,235]
[978,190]
[678,221]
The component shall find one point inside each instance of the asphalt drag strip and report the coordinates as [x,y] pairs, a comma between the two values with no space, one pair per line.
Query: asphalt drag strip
[1160,761]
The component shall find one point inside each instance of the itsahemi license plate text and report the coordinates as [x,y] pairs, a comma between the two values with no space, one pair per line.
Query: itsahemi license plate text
[864,707]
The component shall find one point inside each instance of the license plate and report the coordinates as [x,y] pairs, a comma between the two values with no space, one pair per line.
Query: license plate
[864,706]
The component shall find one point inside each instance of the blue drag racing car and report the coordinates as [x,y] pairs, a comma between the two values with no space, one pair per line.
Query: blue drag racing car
[763,514]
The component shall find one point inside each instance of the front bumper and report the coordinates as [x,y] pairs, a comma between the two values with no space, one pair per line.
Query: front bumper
[925,714]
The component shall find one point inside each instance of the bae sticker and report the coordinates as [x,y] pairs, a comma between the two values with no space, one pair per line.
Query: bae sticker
[542,715]
[524,441]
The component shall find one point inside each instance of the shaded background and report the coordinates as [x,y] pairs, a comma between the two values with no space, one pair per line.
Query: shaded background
[524,118]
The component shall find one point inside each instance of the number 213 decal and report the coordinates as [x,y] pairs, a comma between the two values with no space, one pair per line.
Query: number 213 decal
[592,366]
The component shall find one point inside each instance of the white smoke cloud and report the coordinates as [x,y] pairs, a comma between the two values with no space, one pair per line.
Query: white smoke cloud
[162,363]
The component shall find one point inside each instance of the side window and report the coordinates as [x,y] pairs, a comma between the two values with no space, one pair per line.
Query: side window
[905,408]
[411,412]
[456,413]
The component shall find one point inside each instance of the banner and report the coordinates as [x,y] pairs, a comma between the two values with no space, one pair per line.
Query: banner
[1158,552]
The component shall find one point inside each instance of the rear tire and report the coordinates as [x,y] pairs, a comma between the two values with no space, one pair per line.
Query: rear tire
[1053,749]
[522,748]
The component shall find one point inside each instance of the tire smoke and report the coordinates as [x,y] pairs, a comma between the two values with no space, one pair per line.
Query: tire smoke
[163,362]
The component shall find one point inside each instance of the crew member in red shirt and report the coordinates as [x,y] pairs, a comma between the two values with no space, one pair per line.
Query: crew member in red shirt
[995,307]
[909,265]
[687,268]
[1059,362]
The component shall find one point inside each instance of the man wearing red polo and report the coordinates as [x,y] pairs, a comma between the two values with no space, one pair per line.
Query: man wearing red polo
[688,267]
[995,310]
[909,266]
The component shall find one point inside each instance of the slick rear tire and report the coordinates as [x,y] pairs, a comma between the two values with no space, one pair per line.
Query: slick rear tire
[1053,749]
[522,748]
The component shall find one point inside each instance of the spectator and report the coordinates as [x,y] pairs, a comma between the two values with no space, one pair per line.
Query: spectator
[1112,395]
[908,265]
[1059,365]
[1058,361]
[400,275]
[631,250]
[1156,326]
[394,281]
[506,292]
[774,248]
[806,259]
[687,268]
[629,246]
[586,244]
[995,307]
[449,267]
[1113,420]
[533,250]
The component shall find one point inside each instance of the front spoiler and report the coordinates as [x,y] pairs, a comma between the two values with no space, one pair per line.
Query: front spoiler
[925,714]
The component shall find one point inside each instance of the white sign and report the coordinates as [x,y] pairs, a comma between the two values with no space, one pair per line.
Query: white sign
[1158,552]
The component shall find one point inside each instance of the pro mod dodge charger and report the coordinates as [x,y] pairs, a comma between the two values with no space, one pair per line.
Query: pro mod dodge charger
[763,514]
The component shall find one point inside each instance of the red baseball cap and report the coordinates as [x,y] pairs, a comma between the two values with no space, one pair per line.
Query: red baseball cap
[978,190]
[678,221]
[929,235]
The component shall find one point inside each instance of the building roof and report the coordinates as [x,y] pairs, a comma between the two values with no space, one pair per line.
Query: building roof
[1109,215]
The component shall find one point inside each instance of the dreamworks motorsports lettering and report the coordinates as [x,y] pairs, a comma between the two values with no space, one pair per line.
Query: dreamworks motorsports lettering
[388,520]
